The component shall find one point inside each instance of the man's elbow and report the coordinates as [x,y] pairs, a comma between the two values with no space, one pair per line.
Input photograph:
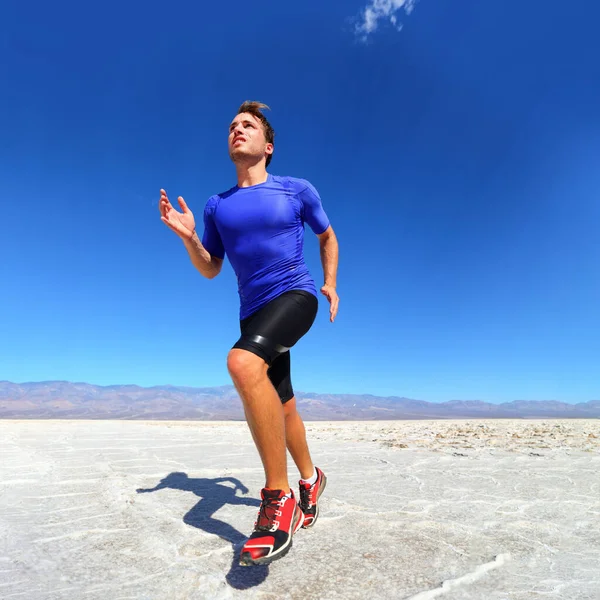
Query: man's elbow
[326,235]
[216,266]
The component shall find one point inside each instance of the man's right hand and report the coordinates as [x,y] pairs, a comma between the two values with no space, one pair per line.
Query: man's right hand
[182,223]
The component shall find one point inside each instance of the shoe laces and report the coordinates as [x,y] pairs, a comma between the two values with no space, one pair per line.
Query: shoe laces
[268,513]
[306,495]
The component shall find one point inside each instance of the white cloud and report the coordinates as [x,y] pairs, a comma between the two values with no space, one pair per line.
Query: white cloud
[378,10]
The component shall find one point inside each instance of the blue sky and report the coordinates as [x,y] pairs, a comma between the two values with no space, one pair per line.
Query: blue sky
[456,156]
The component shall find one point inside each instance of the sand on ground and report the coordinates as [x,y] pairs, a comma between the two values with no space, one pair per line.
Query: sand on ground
[413,510]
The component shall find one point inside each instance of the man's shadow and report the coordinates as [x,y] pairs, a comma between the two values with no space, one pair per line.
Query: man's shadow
[215,496]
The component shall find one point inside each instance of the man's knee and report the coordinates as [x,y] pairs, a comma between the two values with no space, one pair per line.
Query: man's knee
[289,408]
[243,364]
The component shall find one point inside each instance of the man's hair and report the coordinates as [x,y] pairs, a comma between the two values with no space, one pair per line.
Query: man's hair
[254,108]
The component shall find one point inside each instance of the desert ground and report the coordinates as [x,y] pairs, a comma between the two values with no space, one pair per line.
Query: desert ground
[413,510]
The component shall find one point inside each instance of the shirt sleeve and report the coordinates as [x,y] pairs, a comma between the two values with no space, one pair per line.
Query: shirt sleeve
[312,208]
[211,238]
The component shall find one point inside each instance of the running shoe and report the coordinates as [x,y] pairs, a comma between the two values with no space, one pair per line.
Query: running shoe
[279,517]
[309,498]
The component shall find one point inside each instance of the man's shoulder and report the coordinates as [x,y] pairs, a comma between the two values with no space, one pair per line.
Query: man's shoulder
[214,200]
[295,184]
[211,203]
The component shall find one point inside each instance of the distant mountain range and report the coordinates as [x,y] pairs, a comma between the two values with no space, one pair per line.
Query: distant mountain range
[66,400]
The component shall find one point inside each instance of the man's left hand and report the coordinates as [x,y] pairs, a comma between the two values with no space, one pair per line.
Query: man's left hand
[329,292]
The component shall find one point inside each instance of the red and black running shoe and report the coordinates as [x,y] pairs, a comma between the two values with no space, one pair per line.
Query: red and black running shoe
[309,498]
[279,517]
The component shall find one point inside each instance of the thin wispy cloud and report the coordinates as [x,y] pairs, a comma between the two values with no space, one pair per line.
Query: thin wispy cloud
[382,10]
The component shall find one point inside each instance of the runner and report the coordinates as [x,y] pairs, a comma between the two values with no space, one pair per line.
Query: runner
[259,225]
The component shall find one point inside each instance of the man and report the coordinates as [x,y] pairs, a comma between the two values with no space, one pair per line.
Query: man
[259,225]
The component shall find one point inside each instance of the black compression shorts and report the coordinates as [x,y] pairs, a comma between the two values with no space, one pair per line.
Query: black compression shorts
[272,330]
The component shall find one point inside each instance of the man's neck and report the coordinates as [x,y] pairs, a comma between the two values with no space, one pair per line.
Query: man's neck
[248,175]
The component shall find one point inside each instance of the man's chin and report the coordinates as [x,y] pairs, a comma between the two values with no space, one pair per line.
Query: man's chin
[243,157]
[237,154]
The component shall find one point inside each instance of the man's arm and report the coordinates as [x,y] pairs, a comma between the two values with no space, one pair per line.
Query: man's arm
[329,255]
[329,259]
[317,219]
[184,225]
[209,266]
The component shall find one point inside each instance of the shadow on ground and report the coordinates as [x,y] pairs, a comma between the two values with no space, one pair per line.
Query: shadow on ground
[214,496]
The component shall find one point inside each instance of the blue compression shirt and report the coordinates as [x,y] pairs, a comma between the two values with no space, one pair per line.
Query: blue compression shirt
[261,229]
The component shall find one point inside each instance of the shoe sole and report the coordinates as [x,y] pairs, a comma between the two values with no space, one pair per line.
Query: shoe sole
[321,490]
[246,559]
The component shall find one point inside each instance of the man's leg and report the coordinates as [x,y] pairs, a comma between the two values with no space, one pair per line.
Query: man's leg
[265,335]
[264,414]
[313,480]
[295,438]
[295,434]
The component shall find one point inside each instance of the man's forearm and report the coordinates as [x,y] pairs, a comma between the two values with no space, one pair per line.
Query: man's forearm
[200,257]
[329,259]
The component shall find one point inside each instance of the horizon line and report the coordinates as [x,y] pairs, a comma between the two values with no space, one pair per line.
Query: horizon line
[305,393]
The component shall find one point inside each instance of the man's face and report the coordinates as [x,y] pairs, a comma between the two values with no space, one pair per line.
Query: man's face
[247,138]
